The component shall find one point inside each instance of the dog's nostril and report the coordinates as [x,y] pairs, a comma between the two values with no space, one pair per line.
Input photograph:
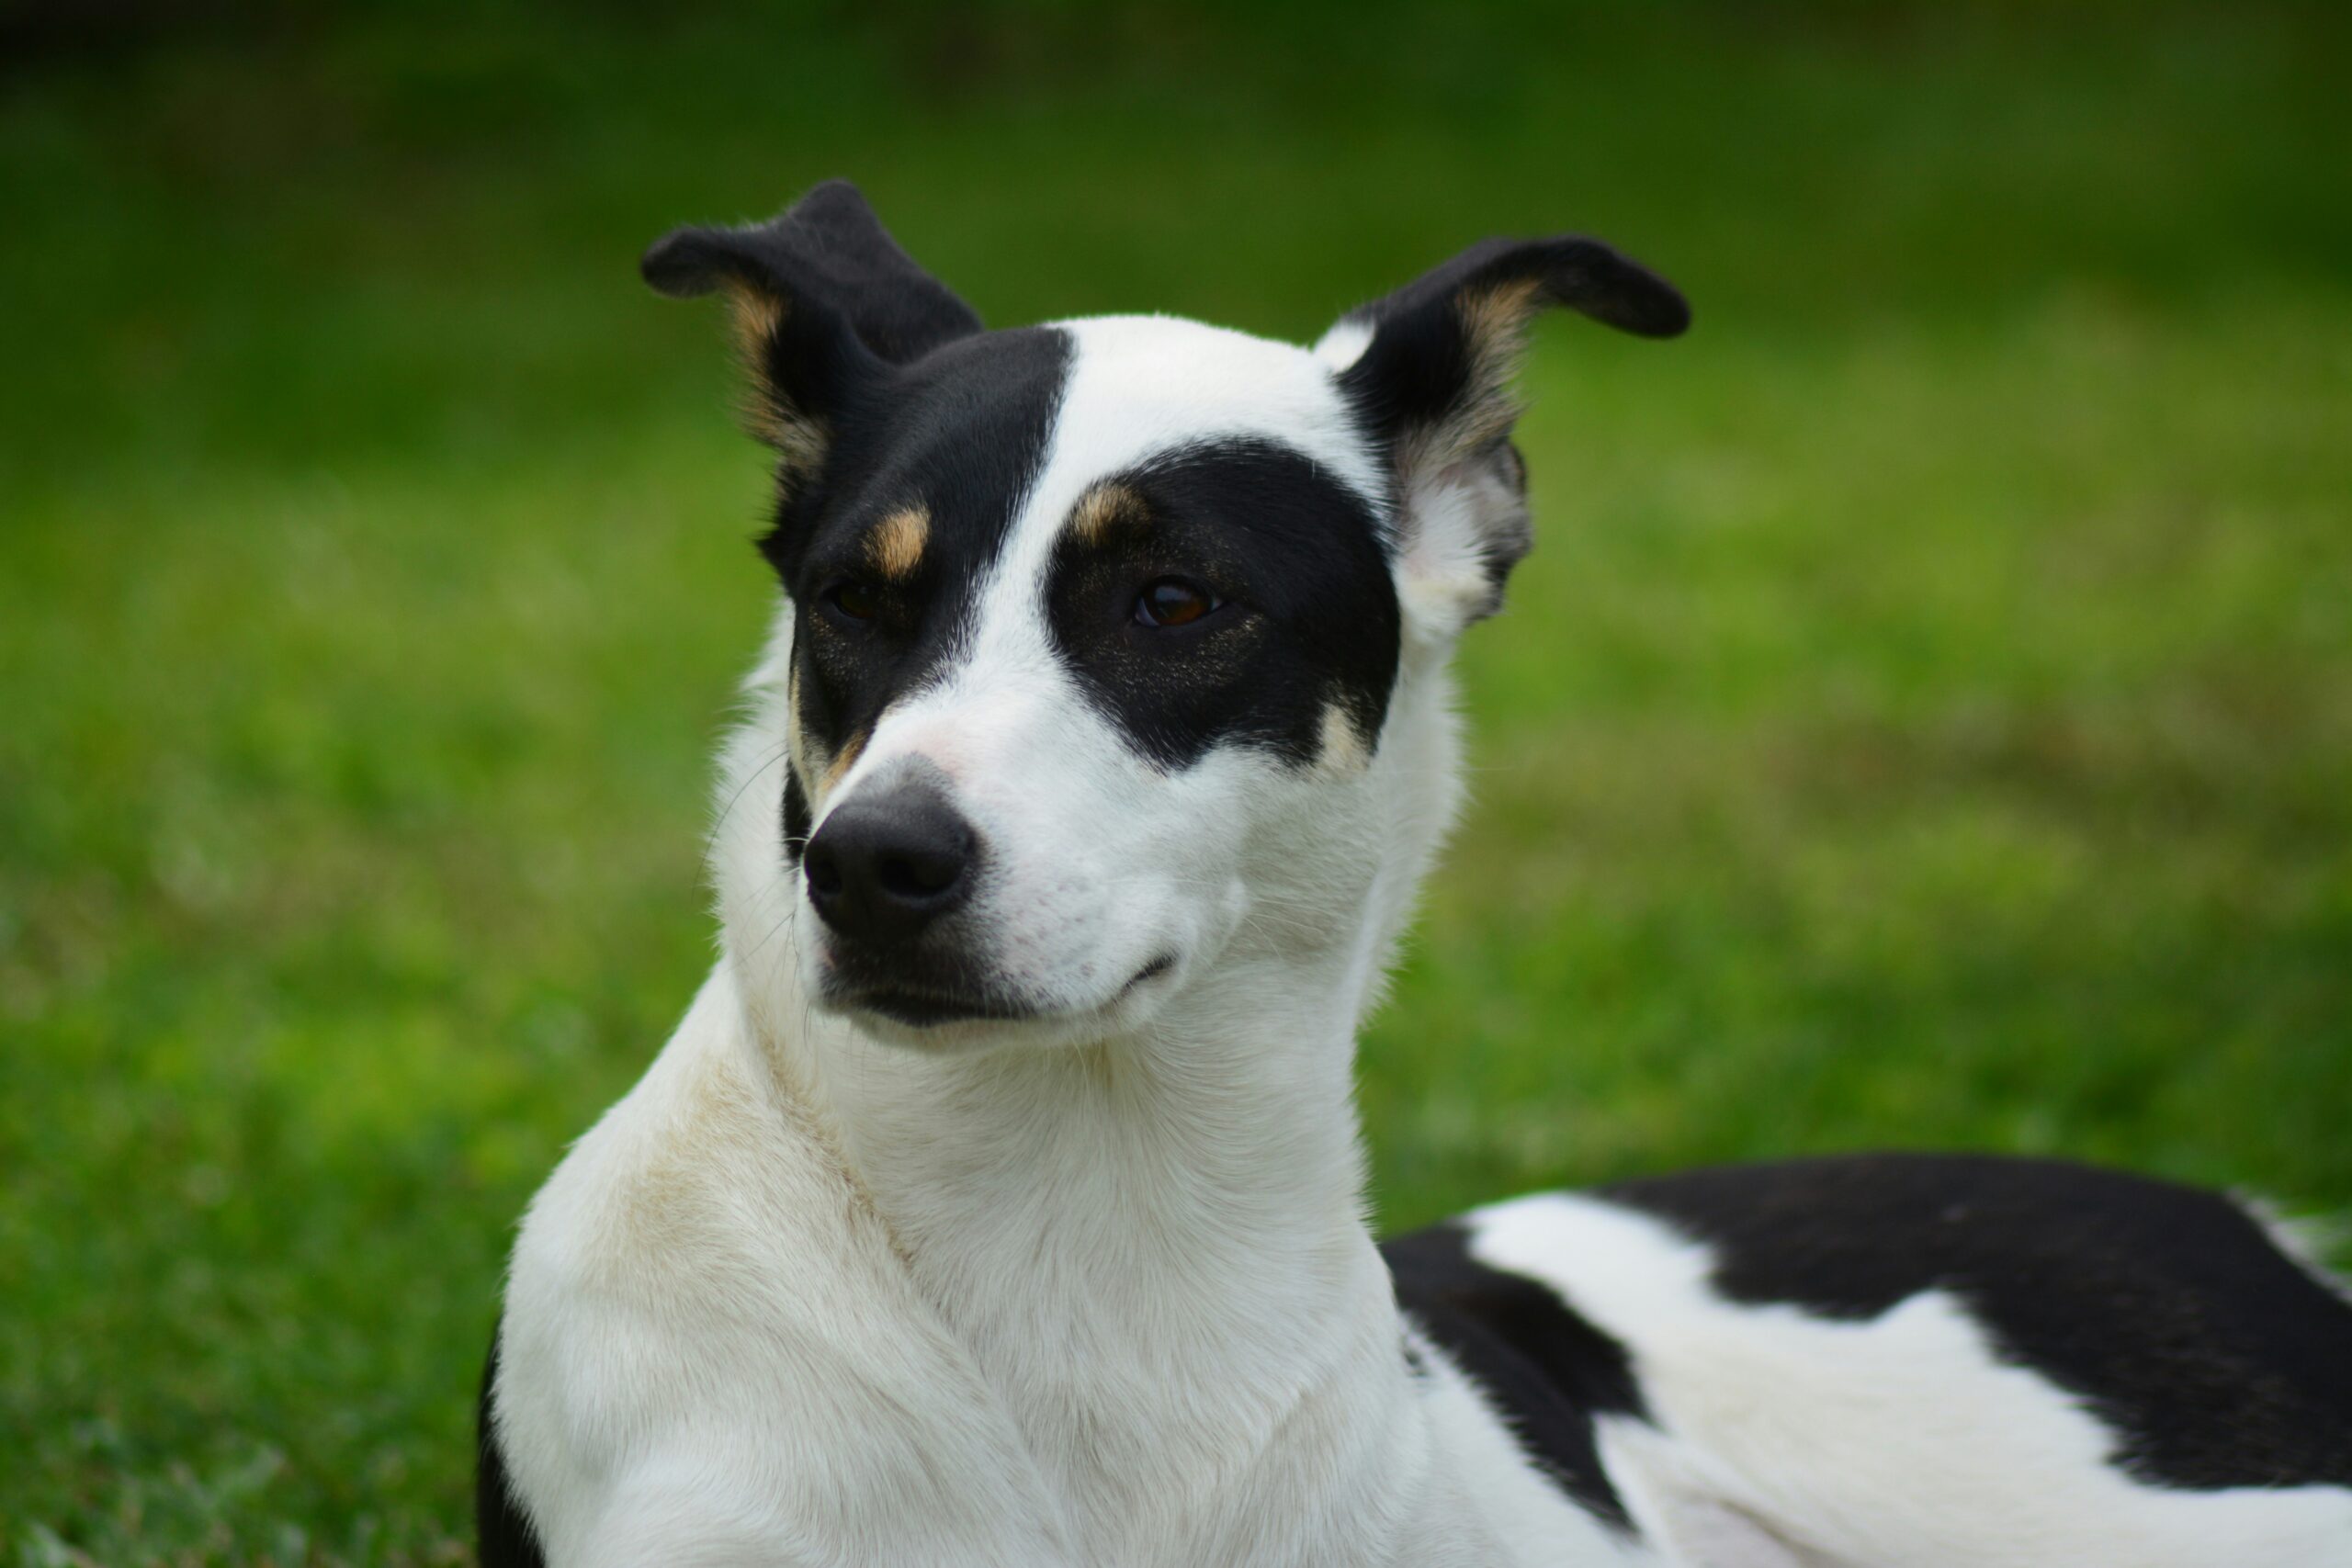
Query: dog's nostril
[919,874]
[823,872]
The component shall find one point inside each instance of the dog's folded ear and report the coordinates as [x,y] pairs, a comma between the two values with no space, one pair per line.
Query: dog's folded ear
[1429,369]
[825,303]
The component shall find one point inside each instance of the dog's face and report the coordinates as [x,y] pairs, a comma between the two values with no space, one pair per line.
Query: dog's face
[1095,630]
[1076,609]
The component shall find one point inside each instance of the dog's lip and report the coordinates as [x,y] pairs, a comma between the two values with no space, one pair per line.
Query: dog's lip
[1151,970]
[920,1007]
[925,1009]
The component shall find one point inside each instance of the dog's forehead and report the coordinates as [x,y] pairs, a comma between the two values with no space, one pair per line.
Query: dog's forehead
[957,438]
[1142,386]
[1010,429]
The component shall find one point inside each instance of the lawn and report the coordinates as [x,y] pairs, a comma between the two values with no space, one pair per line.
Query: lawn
[1926,719]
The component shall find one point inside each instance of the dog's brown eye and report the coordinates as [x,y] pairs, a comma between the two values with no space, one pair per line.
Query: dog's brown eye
[1173,602]
[855,600]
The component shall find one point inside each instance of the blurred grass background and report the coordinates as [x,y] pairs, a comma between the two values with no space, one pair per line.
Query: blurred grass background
[1926,719]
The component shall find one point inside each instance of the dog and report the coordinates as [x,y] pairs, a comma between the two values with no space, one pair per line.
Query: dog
[999,1200]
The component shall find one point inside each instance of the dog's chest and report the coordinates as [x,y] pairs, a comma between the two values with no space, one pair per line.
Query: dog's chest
[711,1344]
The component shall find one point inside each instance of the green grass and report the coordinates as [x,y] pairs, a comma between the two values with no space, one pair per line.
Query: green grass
[1926,719]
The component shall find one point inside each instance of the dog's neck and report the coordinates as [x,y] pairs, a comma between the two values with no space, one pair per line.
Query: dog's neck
[1155,1244]
[1135,1233]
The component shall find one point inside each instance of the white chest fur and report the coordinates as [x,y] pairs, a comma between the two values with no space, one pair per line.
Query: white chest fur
[717,1352]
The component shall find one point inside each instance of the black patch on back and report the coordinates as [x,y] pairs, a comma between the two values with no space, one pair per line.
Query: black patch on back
[1548,1371]
[2216,1360]
[961,433]
[504,1534]
[1311,615]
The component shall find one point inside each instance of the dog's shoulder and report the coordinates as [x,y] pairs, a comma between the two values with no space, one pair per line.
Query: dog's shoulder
[1547,1368]
[661,1265]
[709,1177]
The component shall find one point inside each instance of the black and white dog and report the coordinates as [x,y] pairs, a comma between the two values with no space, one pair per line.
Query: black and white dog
[999,1198]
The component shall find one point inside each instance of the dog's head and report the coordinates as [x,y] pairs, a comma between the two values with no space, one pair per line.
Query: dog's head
[1114,647]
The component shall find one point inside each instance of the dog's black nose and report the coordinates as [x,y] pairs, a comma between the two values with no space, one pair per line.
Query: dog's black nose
[884,866]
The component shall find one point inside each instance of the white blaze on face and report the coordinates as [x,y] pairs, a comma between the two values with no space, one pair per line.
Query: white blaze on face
[1098,863]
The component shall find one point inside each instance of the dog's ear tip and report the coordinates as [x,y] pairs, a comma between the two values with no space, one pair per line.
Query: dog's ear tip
[839,191]
[1654,308]
[1666,314]
[689,262]
[1630,297]
[680,265]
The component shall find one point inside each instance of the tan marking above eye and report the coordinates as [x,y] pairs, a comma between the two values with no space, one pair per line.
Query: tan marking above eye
[1102,508]
[896,545]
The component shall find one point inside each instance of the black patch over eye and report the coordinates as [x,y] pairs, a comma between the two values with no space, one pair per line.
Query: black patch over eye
[962,434]
[1309,617]
[1174,602]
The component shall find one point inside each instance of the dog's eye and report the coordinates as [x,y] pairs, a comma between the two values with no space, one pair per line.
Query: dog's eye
[1173,602]
[853,601]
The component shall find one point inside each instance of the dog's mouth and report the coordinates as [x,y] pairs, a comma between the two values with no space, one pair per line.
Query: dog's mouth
[926,1010]
[934,1005]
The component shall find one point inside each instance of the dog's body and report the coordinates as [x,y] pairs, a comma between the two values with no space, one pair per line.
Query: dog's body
[999,1198]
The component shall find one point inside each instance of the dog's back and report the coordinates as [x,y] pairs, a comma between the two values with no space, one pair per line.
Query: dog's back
[1912,1359]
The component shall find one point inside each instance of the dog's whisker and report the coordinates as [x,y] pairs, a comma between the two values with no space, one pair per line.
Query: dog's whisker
[769,758]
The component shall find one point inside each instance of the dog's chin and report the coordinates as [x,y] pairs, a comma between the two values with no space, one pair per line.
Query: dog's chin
[943,1023]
